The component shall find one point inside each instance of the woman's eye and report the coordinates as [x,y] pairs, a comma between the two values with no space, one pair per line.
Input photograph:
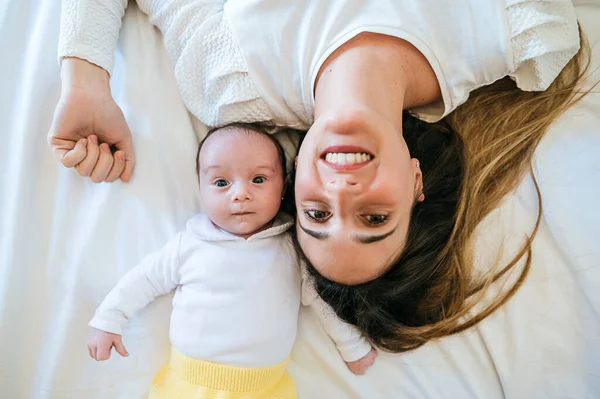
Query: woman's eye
[376,219]
[221,183]
[316,215]
[258,180]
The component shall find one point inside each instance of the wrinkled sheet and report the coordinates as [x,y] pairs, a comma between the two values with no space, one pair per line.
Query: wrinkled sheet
[65,241]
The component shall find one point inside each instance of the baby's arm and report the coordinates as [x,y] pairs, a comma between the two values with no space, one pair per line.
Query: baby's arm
[354,348]
[156,275]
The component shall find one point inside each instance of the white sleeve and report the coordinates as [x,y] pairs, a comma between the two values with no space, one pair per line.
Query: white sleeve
[157,274]
[473,46]
[351,344]
[89,29]
[544,37]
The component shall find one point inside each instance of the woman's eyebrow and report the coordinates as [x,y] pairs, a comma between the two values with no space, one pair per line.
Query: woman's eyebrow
[369,239]
[364,239]
[316,234]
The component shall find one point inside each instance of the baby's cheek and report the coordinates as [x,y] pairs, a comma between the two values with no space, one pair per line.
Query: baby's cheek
[215,210]
[274,203]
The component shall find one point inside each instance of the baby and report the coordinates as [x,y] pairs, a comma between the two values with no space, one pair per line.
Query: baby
[238,284]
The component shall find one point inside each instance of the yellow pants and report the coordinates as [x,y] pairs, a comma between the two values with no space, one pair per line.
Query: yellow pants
[188,378]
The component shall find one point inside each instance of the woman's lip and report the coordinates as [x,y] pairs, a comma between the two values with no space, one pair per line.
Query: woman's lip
[346,167]
[346,149]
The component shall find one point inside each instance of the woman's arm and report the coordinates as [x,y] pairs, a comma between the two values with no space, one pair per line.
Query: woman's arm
[89,132]
[87,121]
[89,30]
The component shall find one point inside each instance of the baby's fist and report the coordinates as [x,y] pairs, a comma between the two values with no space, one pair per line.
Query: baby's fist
[100,344]
[361,365]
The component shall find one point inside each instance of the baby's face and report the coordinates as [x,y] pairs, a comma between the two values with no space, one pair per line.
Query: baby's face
[241,181]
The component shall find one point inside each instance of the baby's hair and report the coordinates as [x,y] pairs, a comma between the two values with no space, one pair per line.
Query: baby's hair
[267,130]
[250,128]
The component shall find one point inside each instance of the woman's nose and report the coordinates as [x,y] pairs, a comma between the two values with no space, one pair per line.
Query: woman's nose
[344,184]
[341,192]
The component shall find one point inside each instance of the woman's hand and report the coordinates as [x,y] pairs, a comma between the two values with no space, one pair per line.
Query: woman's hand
[100,344]
[361,365]
[88,125]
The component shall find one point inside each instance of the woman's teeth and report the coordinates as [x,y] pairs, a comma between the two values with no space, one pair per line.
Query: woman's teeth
[346,159]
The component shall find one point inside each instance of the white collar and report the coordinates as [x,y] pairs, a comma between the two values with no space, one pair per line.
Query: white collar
[204,228]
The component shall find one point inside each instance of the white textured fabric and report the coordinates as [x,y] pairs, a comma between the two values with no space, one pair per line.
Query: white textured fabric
[91,28]
[209,67]
[544,38]
[258,60]
[236,301]
[65,242]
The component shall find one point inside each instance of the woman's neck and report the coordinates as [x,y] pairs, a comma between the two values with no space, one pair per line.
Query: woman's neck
[377,72]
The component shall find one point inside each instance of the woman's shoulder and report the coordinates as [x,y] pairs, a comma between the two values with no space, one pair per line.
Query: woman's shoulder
[296,38]
[469,44]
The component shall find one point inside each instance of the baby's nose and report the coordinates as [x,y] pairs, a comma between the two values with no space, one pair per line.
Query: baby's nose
[242,194]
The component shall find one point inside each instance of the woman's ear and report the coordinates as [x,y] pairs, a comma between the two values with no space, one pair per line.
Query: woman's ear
[419,196]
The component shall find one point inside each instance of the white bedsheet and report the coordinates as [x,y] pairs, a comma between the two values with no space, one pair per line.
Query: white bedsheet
[65,241]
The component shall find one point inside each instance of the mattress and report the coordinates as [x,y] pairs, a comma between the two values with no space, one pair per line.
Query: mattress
[65,241]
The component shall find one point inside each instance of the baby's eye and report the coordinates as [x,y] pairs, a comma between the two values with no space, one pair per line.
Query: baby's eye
[376,219]
[259,180]
[221,183]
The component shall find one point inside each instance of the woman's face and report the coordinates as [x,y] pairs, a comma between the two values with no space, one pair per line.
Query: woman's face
[355,187]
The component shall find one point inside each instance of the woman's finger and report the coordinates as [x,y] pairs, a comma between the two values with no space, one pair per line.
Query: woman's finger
[85,167]
[104,164]
[68,152]
[117,167]
[126,146]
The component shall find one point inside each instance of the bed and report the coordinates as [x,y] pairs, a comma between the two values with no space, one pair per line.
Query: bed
[65,241]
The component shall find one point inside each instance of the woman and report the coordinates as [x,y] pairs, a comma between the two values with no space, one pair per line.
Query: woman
[394,215]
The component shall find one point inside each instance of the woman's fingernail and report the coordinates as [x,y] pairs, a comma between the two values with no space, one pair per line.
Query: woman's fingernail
[94,139]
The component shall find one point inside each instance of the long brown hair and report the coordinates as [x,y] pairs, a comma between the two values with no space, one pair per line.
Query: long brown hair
[469,163]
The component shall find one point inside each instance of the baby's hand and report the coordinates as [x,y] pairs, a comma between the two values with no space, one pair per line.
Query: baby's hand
[101,342]
[361,365]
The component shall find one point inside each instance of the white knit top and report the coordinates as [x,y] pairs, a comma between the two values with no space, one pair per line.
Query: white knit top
[251,60]
[236,301]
